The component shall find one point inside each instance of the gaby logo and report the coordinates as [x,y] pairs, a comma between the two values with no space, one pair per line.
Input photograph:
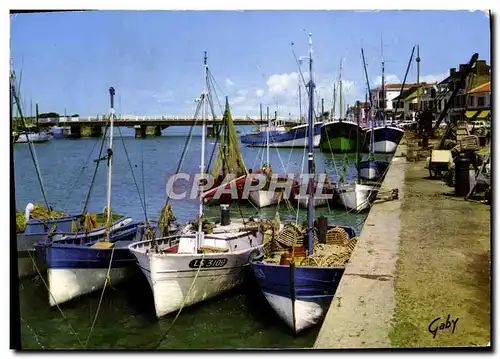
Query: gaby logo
[436,325]
[182,186]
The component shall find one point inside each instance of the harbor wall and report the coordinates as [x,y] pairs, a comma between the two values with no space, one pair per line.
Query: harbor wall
[360,313]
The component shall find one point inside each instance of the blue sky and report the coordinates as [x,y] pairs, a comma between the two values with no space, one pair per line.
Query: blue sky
[154,58]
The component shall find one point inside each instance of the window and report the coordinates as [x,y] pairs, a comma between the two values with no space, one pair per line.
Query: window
[471,101]
[480,101]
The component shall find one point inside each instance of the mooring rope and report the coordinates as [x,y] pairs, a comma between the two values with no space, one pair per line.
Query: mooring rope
[57,305]
[32,331]
[182,305]
[106,280]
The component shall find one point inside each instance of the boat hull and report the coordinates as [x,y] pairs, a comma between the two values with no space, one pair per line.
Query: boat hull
[177,281]
[27,262]
[295,137]
[304,305]
[338,137]
[66,284]
[386,139]
[75,267]
[34,137]
[36,231]
[356,197]
[263,198]
[372,169]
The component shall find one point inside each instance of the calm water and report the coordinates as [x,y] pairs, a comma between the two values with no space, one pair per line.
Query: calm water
[240,319]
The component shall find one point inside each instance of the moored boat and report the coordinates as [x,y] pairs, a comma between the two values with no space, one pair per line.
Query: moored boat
[298,277]
[192,267]
[338,137]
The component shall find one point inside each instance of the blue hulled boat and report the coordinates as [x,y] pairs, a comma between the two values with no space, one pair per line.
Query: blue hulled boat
[301,293]
[84,262]
[79,264]
[37,230]
[294,137]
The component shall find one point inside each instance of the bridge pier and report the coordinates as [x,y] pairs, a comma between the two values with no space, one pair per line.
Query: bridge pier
[76,131]
[95,131]
[140,131]
[157,130]
[212,130]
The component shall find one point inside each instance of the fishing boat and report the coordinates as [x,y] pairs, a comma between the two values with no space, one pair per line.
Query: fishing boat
[269,130]
[386,138]
[338,137]
[356,196]
[229,171]
[35,137]
[327,192]
[36,230]
[84,262]
[294,137]
[194,266]
[296,286]
[31,230]
[268,195]
[370,168]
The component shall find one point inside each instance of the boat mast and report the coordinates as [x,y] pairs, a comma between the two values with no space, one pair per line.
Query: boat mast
[203,134]
[372,126]
[267,141]
[261,113]
[358,115]
[418,78]
[334,100]
[310,210]
[300,103]
[110,156]
[341,103]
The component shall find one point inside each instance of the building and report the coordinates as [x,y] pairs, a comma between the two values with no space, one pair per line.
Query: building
[479,75]
[479,103]
[391,92]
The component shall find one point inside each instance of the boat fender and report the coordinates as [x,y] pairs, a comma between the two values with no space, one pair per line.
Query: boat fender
[29,207]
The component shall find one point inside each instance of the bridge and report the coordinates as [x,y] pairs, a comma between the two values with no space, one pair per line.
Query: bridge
[157,121]
[148,125]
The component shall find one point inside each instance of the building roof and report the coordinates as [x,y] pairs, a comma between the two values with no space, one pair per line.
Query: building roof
[486,87]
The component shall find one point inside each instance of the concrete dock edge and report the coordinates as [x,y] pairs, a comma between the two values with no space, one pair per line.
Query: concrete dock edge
[360,313]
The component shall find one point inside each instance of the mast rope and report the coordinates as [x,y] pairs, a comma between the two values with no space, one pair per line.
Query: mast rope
[133,175]
[73,331]
[84,167]
[97,161]
[30,144]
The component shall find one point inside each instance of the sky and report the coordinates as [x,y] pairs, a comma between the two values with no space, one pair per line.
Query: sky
[154,59]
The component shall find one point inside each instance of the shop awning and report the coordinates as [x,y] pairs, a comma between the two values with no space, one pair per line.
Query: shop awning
[477,114]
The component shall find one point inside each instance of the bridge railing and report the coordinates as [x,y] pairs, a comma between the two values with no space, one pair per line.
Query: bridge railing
[103,118]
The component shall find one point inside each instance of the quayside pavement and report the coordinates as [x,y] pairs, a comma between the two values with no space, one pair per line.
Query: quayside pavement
[420,274]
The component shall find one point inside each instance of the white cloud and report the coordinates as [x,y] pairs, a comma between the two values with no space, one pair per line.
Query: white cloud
[389,79]
[164,97]
[242,92]
[283,83]
[229,83]
[434,78]
[259,93]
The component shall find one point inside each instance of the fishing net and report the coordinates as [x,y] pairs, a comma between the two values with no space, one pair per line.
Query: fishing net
[39,212]
[166,218]
[288,244]
[206,226]
[210,249]
[229,159]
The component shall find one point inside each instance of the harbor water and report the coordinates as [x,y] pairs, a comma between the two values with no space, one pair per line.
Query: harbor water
[126,320]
